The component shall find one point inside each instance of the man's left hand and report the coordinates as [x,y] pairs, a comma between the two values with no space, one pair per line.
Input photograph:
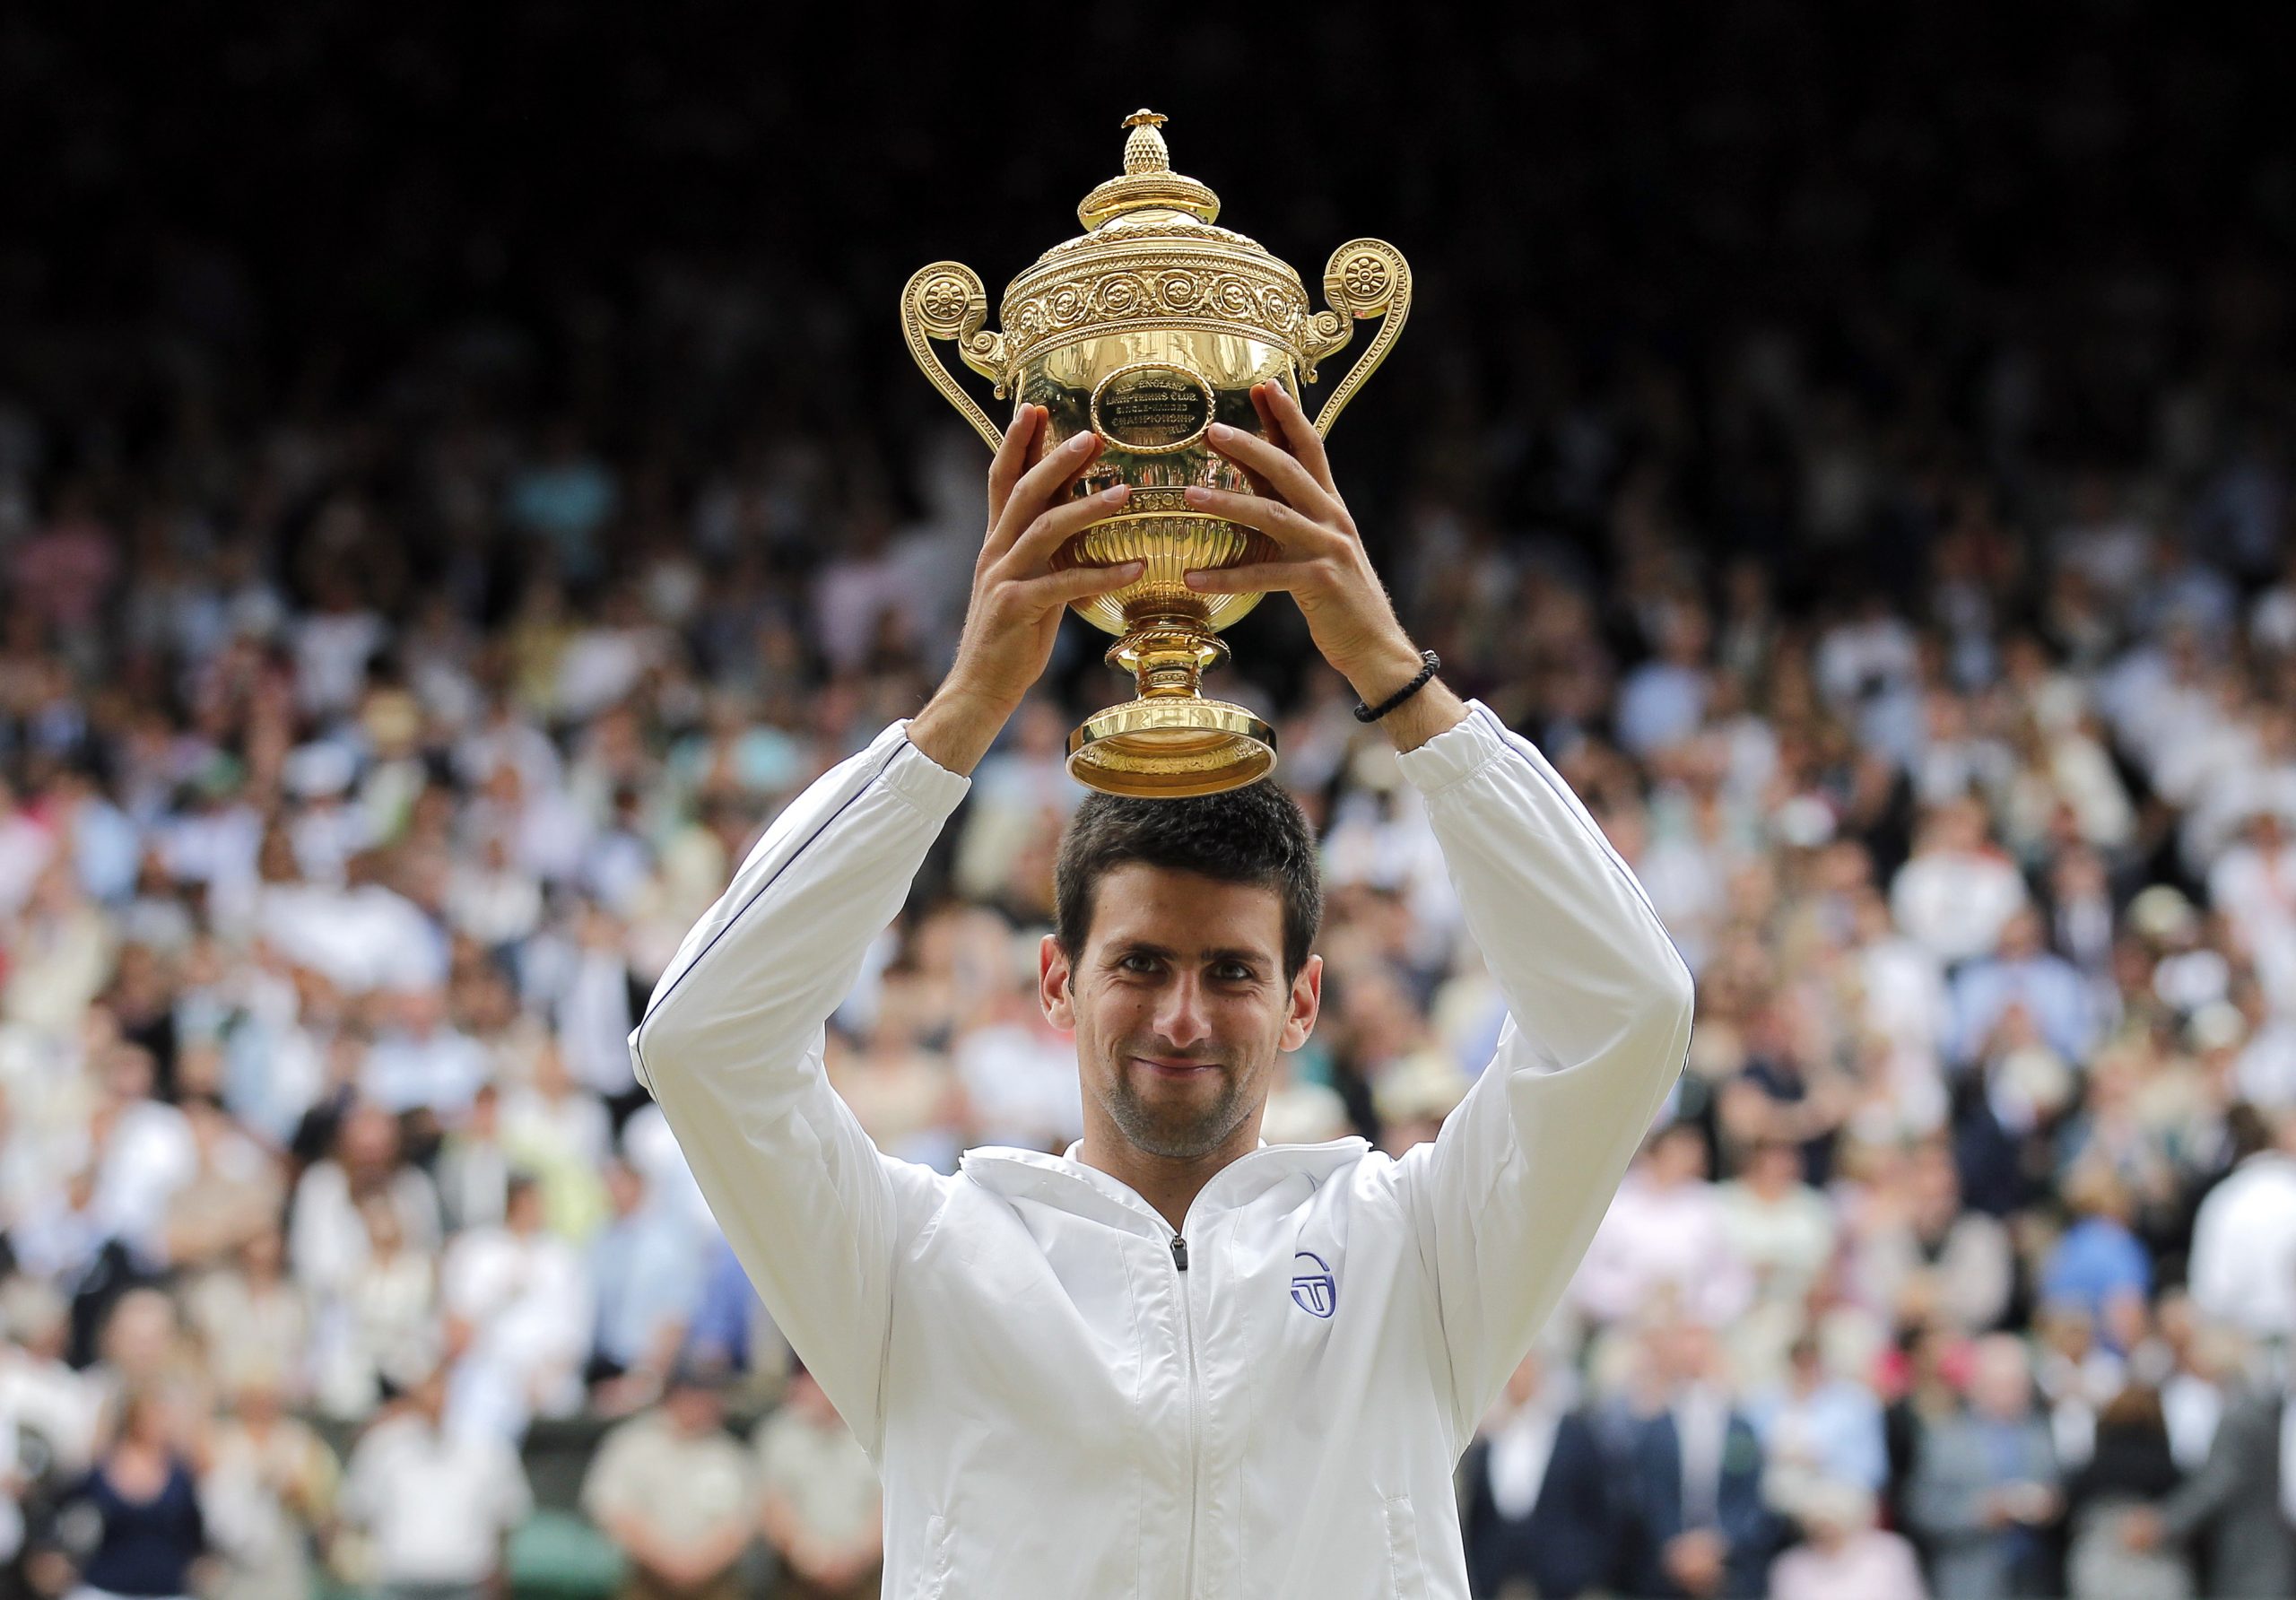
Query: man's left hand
[1322,563]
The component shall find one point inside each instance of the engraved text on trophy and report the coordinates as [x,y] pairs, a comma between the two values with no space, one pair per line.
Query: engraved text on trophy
[1151,408]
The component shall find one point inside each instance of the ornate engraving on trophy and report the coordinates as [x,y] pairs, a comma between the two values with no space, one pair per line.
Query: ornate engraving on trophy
[1152,407]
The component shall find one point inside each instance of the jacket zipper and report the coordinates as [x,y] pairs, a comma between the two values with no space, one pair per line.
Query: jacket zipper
[1194,1438]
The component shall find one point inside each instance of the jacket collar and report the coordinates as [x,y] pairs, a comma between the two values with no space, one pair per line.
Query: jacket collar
[1068,1184]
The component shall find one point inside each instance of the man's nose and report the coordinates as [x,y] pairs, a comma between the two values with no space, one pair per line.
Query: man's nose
[1181,1017]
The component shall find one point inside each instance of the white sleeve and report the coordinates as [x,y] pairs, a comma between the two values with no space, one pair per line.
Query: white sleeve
[1599,1008]
[731,1046]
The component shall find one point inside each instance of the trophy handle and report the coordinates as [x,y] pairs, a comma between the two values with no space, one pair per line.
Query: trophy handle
[945,301]
[1364,278]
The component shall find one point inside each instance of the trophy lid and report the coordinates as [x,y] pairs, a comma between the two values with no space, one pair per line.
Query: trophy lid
[1148,180]
[1152,257]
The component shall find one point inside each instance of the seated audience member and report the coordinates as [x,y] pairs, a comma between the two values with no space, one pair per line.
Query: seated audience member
[2236,1507]
[1538,1513]
[2130,1472]
[1693,1481]
[677,1493]
[1843,1555]
[823,1511]
[436,1504]
[1985,1493]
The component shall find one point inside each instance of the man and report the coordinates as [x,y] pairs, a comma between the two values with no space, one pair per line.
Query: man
[439,1505]
[267,1487]
[1538,1502]
[2023,971]
[820,1506]
[2243,1264]
[2237,1507]
[1694,1480]
[1984,1483]
[647,1267]
[1818,1430]
[1171,1361]
[520,1314]
[676,1493]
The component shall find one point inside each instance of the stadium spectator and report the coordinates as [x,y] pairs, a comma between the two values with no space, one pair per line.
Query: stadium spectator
[437,1504]
[138,1510]
[1985,1489]
[821,1507]
[1818,1431]
[1539,1512]
[1844,1554]
[2131,1470]
[1694,1479]
[2235,1507]
[677,1493]
[648,1266]
[268,1488]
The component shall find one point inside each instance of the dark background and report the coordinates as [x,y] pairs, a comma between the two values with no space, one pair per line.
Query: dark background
[473,206]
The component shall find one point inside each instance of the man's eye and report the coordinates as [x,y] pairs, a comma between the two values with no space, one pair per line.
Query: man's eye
[1138,963]
[1234,972]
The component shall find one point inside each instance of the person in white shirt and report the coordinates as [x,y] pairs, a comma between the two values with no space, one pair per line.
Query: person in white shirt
[1665,1238]
[424,1061]
[519,1305]
[1780,1227]
[2242,1270]
[438,1504]
[1171,1361]
[1958,890]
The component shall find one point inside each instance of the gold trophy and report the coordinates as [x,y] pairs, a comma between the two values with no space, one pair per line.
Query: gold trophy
[1147,329]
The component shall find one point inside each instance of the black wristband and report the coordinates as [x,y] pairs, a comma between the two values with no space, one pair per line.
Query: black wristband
[1364,713]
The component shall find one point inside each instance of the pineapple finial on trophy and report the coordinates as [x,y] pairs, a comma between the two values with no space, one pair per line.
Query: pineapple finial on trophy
[1144,150]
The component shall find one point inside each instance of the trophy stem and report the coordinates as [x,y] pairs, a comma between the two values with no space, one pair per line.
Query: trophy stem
[1170,741]
[1167,655]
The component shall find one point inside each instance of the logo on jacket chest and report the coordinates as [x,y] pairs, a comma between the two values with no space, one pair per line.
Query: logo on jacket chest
[1314,1292]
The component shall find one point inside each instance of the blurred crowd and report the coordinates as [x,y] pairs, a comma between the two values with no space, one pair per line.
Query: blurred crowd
[1876,493]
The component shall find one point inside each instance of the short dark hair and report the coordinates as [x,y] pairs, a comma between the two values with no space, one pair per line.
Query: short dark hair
[1256,834]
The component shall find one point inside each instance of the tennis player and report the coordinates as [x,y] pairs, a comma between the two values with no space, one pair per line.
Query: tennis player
[1174,1361]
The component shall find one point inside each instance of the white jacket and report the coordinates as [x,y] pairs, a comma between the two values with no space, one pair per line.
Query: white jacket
[1057,1407]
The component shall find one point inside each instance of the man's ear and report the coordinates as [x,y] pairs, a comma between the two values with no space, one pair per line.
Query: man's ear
[1307,1002]
[1052,985]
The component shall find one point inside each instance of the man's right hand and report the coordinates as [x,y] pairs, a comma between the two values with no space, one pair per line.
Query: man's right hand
[1017,598]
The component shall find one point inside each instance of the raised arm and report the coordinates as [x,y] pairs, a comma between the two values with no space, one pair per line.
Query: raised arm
[732,1047]
[732,1042]
[1599,1011]
[1507,1199]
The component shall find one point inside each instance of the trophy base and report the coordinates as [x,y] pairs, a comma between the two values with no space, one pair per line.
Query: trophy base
[1169,746]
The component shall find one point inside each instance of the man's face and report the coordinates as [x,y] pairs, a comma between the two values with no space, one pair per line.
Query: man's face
[1179,1005]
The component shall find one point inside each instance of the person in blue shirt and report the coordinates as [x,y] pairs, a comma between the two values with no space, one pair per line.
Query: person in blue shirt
[2023,971]
[1817,1428]
[650,1265]
[2099,1261]
[731,1325]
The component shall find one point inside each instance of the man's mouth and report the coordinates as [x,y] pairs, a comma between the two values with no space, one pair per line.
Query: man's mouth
[1173,1066]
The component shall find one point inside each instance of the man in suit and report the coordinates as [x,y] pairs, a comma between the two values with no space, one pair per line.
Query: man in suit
[1694,1479]
[2235,1500]
[1984,1484]
[1537,1509]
